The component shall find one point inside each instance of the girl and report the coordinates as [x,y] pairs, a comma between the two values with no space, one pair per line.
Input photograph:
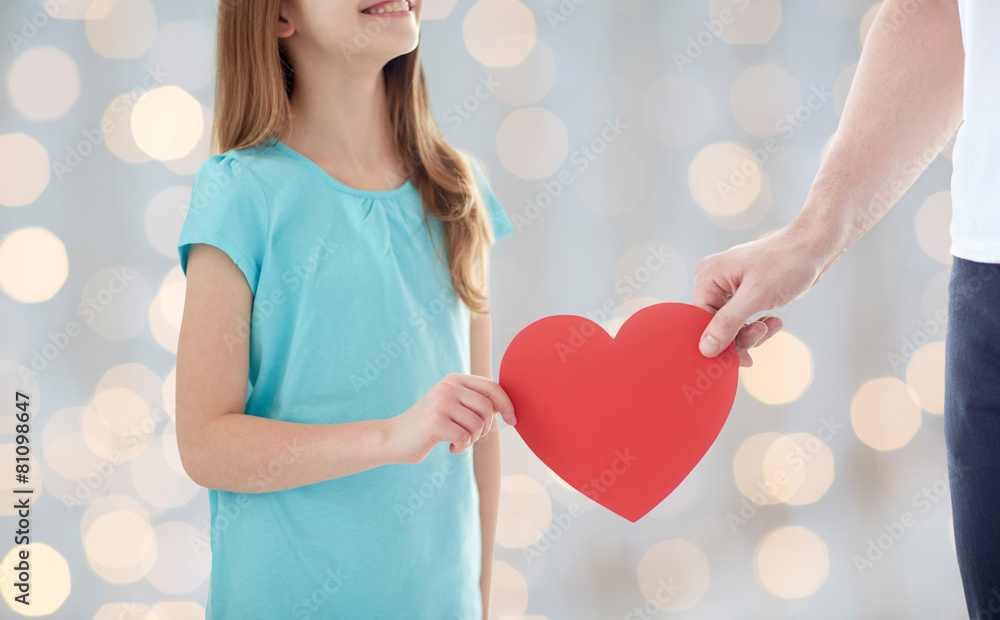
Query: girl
[333,369]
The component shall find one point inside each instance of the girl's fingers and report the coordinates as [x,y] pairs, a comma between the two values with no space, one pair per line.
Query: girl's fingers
[493,391]
[468,420]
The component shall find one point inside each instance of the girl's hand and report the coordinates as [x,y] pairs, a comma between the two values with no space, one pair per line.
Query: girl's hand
[459,409]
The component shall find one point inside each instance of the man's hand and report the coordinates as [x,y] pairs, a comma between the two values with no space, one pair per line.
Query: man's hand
[751,278]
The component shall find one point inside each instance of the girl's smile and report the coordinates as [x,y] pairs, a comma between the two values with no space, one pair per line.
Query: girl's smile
[388,9]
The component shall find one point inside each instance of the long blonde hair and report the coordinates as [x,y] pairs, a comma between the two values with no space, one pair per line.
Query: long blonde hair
[254,82]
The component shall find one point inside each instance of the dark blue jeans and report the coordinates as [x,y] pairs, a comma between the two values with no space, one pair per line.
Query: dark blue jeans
[972,429]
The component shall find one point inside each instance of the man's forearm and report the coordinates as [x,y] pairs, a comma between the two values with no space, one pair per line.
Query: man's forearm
[903,107]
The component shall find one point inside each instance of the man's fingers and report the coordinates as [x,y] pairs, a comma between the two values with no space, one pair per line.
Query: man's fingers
[751,334]
[774,326]
[727,322]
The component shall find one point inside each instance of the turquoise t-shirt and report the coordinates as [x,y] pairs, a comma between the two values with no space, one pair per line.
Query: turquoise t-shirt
[354,318]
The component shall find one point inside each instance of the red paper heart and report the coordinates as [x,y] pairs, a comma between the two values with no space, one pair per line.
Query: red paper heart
[622,420]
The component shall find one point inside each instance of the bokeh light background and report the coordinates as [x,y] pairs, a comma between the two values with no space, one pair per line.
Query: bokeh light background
[606,128]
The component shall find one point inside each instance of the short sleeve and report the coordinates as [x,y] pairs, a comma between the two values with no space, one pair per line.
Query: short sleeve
[501,223]
[228,210]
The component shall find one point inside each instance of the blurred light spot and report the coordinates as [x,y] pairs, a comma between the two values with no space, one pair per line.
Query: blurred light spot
[43,83]
[673,575]
[78,9]
[108,443]
[791,562]
[156,481]
[170,451]
[885,413]
[499,33]
[49,578]
[122,410]
[782,370]
[933,223]
[170,392]
[842,87]
[117,128]
[121,546]
[762,97]
[176,610]
[867,21]
[167,309]
[24,169]
[678,111]
[139,380]
[532,143]
[167,122]
[615,183]
[724,179]
[190,162]
[125,31]
[526,82]
[69,456]
[120,611]
[181,566]
[437,9]
[115,302]
[184,52]
[525,511]
[802,466]
[747,22]
[509,592]
[33,264]
[748,469]
[925,376]
[752,215]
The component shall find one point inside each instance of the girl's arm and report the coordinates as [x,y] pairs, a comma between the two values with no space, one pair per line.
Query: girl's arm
[221,448]
[486,458]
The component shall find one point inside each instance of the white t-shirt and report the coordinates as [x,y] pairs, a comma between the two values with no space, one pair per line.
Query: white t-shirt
[975,184]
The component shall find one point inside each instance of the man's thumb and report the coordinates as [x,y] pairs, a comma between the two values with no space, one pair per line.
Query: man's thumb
[727,322]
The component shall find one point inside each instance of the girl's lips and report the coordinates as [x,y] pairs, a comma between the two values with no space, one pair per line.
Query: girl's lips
[389,8]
